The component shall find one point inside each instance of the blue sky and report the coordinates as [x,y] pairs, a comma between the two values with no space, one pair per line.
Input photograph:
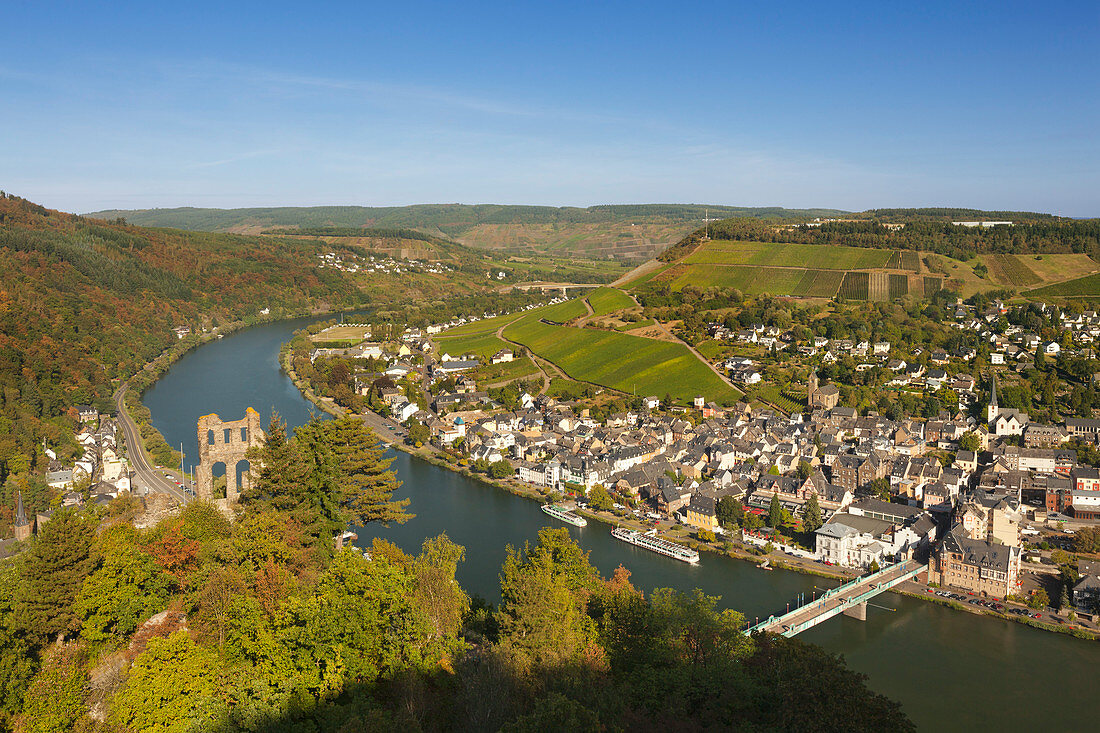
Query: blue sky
[859,105]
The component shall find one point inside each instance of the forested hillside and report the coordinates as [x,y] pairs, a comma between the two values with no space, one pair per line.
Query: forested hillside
[452,219]
[85,302]
[1029,236]
[200,624]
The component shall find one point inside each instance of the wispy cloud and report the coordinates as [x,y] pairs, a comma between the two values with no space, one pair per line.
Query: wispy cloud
[234,158]
[373,90]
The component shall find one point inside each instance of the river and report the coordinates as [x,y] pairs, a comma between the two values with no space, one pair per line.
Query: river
[950,670]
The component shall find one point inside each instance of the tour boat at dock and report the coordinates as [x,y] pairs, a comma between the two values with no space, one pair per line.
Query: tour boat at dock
[650,541]
[558,512]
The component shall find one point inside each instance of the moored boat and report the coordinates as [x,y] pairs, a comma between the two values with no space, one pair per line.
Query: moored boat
[559,512]
[650,541]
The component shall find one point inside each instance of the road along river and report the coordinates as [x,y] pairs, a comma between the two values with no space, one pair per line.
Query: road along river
[951,670]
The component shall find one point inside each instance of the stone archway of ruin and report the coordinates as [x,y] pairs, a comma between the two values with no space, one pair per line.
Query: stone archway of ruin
[225,442]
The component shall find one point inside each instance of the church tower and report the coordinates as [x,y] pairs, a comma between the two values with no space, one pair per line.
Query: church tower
[22,526]
[994,410]
[811,387]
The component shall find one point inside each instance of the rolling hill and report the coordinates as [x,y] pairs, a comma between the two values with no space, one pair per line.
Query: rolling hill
[627,232]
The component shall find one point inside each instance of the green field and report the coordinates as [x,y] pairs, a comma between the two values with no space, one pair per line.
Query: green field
[856,286]
[1082,287]
[483,346]
[559,312]
[1008,269]
[756,280]
[767,254]
[643,279]
[609,300]
[627,363]
[484,326]
[819,283]
[749,280]
[495,373]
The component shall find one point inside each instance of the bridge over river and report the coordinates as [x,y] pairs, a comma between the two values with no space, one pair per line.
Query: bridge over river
[849,599]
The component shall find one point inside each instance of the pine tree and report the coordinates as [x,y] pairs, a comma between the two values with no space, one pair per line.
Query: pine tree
[278,471]
[329,475]
[365,480]
[57,564]
[811,514]
[775,512]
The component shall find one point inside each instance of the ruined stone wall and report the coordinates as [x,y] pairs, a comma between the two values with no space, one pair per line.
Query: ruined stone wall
[226,442]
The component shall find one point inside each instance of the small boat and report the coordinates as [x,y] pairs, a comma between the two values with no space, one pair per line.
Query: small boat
[560,512]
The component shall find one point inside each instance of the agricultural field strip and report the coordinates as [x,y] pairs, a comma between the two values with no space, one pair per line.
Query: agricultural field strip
[765,254]
[1088,286]
[621,361]
[754,280]
[1052,268]
[482,346]
[558,312]
[609,300]
[1010,270]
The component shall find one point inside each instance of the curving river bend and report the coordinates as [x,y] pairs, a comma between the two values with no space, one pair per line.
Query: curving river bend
[950,670]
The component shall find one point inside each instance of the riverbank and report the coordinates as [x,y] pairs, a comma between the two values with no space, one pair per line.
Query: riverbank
[776,560]
[152,443]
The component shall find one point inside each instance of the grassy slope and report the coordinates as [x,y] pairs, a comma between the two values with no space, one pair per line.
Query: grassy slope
[1010,270]
[1050,268]
[1088,286]
[749,280]
[482,346]
[609,300]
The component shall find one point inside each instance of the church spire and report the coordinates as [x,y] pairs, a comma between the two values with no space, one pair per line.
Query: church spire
[20,512]
[994,408]
[23,528]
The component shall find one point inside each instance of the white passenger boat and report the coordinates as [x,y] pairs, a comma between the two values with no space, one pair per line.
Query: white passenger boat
[651,541]
[559,512]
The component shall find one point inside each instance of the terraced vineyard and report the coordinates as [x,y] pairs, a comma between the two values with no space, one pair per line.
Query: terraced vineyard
[750,280]
[856,286]
[905,259]
[767,254]
[1088,286]
[881,285]
[627,363]
[771,394]
[898,286]
[1008,269]
[819,283]
[802,270]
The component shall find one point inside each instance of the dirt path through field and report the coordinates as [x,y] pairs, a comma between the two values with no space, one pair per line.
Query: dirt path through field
[672,337]
[534,359]
[642,269]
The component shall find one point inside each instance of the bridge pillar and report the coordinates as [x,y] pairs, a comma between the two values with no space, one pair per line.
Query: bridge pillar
[858,611]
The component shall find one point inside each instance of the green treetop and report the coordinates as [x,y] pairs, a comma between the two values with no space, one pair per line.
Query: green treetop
[775,512]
